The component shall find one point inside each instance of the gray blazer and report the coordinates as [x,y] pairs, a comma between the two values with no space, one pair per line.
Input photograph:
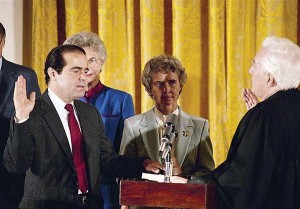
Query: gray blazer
[193,149]
[40,147]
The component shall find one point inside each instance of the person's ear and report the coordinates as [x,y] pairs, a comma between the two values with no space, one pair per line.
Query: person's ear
[2,44]
[180,90]
[149,92]
[52,73]
[271,81]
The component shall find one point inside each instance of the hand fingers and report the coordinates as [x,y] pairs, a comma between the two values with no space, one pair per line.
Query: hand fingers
[20,85]
[32,96]
[245,94]
[253,97]
[250,98]
[177,179]
[154,167]
[21,81]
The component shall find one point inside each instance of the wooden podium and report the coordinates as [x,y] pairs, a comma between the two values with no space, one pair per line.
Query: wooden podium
[170,195]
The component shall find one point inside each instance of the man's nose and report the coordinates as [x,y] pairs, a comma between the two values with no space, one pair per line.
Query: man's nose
[83,75]
[251,70]
[166,87]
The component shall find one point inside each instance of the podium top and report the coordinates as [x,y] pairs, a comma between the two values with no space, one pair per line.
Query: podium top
[171,195]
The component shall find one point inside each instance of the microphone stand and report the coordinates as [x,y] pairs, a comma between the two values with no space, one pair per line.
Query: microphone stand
[168,168]
[166,156]
[165,149]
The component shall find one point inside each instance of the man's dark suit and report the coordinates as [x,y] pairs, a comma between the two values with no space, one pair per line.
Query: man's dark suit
[41,144]
[11,186]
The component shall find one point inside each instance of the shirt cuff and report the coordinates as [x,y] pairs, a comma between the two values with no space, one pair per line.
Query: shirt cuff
[20,121]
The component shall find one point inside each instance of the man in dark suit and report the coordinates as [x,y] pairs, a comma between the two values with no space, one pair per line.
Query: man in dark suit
[41,139]
[11,186]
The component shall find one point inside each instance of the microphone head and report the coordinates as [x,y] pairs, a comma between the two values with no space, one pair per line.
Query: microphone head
[168,129]
[165,139]
[166,151]
[175,133]
[164,142]
[173,136]
[169,124]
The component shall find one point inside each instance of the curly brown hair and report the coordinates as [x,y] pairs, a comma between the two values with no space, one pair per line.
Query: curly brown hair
[162,63]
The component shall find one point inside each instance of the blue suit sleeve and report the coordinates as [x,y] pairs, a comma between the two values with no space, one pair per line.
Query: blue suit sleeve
[127,111]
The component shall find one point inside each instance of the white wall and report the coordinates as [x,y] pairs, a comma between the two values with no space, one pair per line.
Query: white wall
[11,16]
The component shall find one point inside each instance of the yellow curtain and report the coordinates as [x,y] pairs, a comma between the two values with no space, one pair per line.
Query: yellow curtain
[216,41]
[78,16]
[40,34]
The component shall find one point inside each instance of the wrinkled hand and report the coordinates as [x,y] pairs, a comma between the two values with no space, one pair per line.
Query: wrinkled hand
[23,105]
[178,179]
[152,166]
[250,98]
[176,167]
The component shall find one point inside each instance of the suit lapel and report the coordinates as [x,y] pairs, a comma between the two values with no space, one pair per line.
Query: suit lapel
[8,78]
[185,131]
[149,134]
[52,118]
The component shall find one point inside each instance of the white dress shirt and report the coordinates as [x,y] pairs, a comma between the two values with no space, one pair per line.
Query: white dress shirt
[59,105]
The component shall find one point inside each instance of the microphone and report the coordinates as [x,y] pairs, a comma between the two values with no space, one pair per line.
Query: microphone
[165,139]
[169,127]
[169,145]
[164,142]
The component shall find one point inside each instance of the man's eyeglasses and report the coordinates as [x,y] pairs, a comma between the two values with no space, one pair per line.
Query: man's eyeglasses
[95,63]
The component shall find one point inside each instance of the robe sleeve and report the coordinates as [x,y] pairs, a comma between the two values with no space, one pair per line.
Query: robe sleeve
[244,179]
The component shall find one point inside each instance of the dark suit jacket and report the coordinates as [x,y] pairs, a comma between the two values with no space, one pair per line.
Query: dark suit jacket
[40,147]
[11,186]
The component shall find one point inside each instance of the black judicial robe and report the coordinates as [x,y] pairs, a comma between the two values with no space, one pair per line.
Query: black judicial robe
[262,169]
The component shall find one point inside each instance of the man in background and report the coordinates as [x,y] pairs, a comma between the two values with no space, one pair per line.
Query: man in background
[11,186]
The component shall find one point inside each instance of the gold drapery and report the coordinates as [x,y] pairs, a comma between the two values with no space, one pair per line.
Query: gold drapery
[216,41]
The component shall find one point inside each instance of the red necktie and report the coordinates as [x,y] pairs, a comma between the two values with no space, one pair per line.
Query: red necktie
[76,139]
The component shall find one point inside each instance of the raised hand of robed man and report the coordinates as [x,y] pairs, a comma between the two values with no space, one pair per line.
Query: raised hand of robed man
[23,105]
[250,98]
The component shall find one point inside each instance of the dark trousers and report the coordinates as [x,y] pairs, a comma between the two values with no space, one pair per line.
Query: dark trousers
[11,190]
[109,189]
[92,202]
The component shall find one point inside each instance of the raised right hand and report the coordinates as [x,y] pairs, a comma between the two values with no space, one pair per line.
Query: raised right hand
[23,105]
[250,98]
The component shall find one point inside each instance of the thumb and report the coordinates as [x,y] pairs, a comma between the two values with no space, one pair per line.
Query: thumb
[32,96]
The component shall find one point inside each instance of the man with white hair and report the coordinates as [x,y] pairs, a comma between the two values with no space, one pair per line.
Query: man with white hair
[262,169]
